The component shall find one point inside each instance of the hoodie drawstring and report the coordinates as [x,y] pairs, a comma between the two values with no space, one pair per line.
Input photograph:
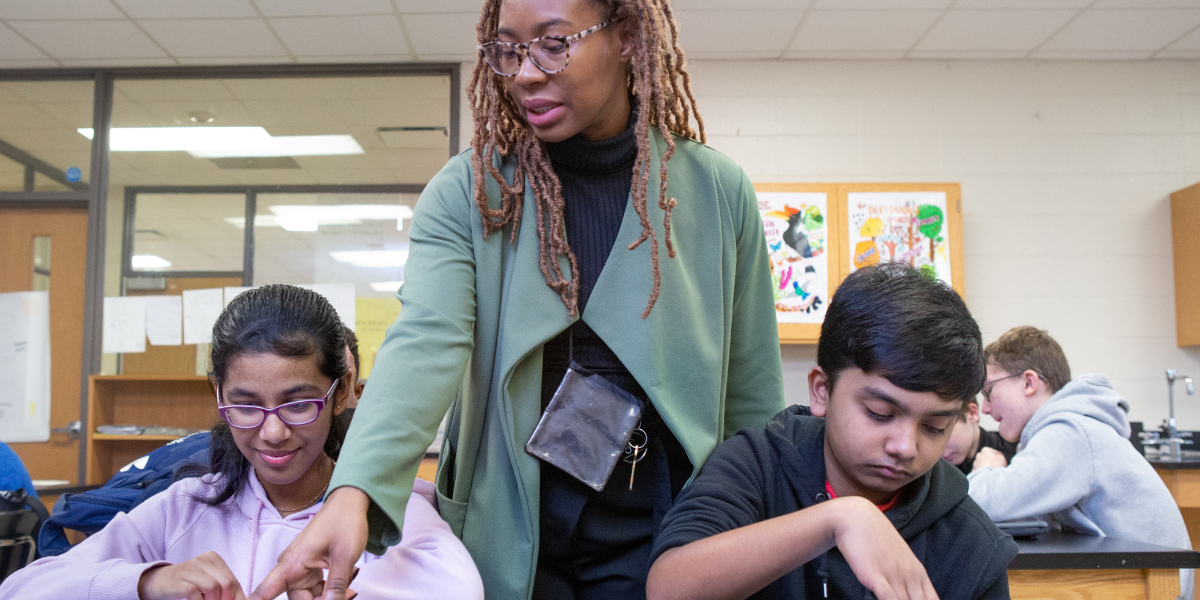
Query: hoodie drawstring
[822,566]
[254,543]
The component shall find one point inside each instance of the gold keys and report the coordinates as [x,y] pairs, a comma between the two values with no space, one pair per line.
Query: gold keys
[635,451]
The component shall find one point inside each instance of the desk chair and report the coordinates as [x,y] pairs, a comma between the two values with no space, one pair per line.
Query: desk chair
[17,545]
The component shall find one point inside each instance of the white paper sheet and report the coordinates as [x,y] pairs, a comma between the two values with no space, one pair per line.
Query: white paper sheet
[341,296]
[164,320]
[231,292]
[125,324]
[200,311]
[25,367]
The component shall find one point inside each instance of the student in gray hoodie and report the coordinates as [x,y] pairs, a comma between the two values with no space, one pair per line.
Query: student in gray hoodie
[1074,463]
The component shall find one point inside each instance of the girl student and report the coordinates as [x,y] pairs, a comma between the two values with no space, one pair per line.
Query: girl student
[587,233]
[281,380]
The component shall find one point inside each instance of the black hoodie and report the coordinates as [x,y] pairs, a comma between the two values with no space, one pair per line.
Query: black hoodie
[761,474]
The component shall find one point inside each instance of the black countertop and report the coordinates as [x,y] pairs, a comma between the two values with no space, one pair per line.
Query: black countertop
[1071,551]
[1174,465]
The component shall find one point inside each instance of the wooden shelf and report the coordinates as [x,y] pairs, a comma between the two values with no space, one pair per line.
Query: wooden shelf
[185,402]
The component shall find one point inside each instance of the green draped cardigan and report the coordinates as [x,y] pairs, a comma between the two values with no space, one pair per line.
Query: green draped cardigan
[476,312]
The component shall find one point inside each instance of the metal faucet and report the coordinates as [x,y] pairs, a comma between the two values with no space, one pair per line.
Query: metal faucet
[1171,447]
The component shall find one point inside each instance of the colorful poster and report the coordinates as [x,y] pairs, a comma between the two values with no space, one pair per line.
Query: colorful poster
[908,227]
[373,316]
[797,238]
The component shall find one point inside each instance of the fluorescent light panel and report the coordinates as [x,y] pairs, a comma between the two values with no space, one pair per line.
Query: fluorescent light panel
[224,142]
[386,286]
[371,258]
[149,261]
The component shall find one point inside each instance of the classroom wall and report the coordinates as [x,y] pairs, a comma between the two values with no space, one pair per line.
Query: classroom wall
[1066,169]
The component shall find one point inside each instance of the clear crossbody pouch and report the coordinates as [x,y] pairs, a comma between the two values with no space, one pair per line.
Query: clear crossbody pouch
[586,426]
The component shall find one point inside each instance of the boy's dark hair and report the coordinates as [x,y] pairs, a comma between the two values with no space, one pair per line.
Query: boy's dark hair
[352,344]
[283,320]
[1029,348]
[895,321]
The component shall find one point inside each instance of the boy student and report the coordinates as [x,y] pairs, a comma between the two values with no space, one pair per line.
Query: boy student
[1075,463]
[969,440]
[849,496]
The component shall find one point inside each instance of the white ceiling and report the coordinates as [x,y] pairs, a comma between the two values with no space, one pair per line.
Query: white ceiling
[71,33]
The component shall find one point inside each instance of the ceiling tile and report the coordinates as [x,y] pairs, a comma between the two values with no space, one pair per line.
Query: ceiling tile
[1018,4]
[214,37]
[334,36]
[234,60]
[966,54]
[683,6]
[118,62]
[187,9]
[1190,41]
[1091,55]
[1118,30]
[418,6]
[863,30]
[994,29]
[15,47]
[1145,4]
[351,58]
[27,64]
[882,4]
[59,9]
[315,8]
[442,33]
[138,90]
[844,54]
[738,32]
[91,40]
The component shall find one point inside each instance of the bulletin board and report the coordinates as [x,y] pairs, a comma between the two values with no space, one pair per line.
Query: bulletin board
[819,233]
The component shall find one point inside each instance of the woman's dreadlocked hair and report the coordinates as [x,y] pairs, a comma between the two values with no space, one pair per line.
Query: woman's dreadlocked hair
[660,86]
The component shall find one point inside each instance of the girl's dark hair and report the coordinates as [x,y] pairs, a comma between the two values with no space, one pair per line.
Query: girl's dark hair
[903,324]
[283,320]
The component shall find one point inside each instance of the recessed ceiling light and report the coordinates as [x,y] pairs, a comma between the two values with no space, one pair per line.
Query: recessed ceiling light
[224,142]
[342,214]
[371,258]
[150,261]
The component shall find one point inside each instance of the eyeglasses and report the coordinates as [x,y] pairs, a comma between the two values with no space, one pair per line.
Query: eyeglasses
[248,416]
[550,53]
[987,385]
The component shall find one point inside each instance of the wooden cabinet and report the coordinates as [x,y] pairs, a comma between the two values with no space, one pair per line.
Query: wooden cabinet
[141,400]
[1185,235]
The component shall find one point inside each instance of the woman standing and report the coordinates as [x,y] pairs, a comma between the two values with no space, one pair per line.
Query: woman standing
[584,172]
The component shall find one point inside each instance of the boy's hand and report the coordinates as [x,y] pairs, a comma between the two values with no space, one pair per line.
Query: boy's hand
[989,458]
[879,557]
[205,577]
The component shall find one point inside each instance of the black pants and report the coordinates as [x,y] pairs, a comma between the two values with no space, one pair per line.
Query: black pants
[596,545]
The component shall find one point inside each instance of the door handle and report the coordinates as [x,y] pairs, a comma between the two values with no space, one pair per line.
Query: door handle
[74,430]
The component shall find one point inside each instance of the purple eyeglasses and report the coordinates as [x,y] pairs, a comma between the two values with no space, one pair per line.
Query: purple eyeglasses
[248,416]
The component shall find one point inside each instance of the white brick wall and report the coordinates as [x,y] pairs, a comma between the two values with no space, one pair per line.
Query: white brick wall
[1066,169]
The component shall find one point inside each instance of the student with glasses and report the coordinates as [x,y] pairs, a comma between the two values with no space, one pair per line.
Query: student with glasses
[281,382]
[587,225]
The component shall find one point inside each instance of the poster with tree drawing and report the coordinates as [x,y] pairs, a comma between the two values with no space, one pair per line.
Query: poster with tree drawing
[907,227]
[796,227]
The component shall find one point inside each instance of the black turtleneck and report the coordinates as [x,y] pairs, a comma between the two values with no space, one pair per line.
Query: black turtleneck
[596,177]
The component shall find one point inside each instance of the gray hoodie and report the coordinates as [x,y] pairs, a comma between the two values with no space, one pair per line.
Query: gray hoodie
[1075,464]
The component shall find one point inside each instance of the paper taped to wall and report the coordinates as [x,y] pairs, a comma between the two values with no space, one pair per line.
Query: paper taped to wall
[25,367]
[200,311]
[164,320]
[125,324]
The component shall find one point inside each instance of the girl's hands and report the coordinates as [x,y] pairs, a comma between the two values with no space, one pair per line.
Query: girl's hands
[205,577]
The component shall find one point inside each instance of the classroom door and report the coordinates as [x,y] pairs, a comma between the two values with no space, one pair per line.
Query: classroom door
[40,249]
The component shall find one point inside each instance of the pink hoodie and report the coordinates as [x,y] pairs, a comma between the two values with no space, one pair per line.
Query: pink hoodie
[248,533]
